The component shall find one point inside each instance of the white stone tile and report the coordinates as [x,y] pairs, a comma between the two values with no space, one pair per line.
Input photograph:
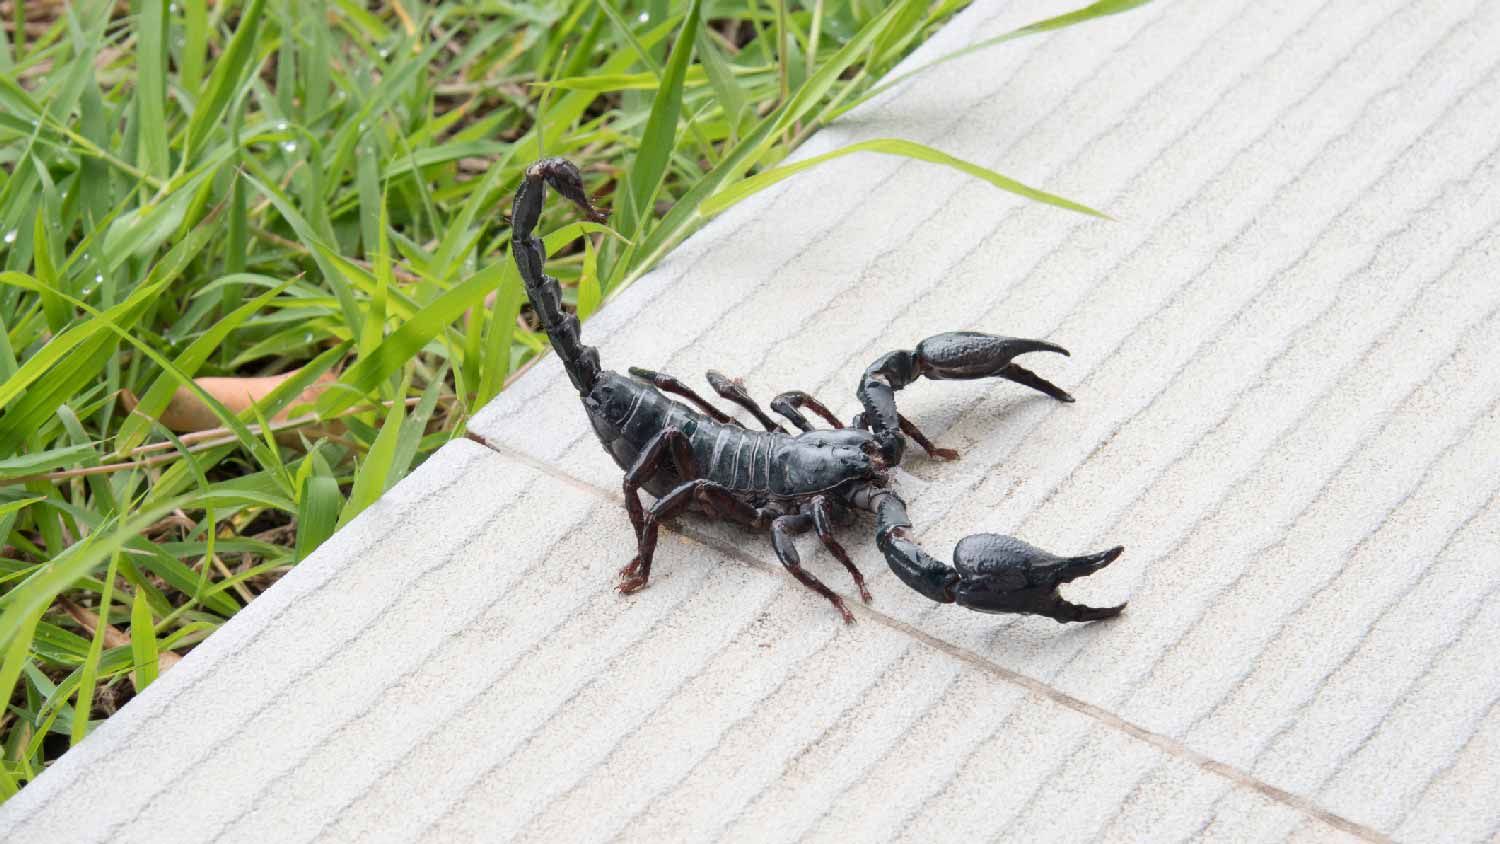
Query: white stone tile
[486,682]
[1284,414]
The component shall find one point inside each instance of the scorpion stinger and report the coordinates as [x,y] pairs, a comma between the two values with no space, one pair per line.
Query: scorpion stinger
[700,458]
[581,362]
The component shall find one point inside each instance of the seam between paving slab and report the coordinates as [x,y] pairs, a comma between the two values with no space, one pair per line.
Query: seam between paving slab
[1167,745]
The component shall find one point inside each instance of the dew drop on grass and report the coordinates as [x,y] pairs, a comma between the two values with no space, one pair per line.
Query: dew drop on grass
[282,125]
[10,236]
[645,17]
[289,147]
[384,53]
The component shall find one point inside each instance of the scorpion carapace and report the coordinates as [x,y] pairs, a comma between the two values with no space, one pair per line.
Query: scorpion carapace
[702,458]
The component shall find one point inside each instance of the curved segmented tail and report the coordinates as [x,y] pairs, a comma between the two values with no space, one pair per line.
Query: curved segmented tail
[581,361]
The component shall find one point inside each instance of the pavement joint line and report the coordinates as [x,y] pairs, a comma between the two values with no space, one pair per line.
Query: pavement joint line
[1166,744]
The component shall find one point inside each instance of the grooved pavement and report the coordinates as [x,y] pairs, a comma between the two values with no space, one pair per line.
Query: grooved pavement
[1289,414]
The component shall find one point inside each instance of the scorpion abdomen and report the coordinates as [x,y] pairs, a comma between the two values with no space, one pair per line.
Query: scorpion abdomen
[628,414]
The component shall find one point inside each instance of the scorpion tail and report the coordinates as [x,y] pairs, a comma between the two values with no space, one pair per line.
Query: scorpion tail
[991,573]
[580,361]
[957,355]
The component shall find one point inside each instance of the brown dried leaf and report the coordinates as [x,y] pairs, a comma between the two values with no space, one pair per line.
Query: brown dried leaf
[114,637]
[186,413]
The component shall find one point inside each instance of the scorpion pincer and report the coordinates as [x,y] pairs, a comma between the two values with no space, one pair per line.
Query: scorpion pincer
[701,458]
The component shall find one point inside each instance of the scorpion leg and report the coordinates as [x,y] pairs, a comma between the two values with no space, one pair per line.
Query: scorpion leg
[668,384]
[788,404]
[823,523]
[635,575]
[647,463]
[782,530]
[720,501]
[910,429]
[956,355]
[991,573]
[734,390]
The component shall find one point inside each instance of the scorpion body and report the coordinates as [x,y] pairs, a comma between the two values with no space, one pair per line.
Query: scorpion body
[701,458]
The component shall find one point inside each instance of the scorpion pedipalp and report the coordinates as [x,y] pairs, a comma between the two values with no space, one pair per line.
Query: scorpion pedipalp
[1000,573]
[956,355]
[992,573]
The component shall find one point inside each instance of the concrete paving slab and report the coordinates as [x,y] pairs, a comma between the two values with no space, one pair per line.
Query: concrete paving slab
[1282,353]
[1288,412]
[456,665]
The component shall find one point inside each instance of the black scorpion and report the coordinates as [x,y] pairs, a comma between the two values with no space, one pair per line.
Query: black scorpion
[790,484]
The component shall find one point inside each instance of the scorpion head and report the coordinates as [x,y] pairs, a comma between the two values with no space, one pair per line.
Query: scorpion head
[825,460]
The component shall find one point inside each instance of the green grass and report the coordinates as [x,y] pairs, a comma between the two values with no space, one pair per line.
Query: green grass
[316,189]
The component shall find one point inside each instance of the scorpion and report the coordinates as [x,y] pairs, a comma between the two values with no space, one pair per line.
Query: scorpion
[703,459]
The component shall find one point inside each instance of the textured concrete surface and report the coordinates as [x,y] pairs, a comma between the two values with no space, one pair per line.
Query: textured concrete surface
[1284,359]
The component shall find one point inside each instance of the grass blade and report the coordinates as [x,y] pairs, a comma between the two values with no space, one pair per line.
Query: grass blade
[1103,8]
[151,86]
[644,177]
[731,95]
[84,704]
[318,504]
[889,146]
[371,476]
[229,69]
[143,648]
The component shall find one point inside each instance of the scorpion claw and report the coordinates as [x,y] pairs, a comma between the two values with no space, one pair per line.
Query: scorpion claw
[1065,611]
[1003,574]
[1090,563]
[969,354]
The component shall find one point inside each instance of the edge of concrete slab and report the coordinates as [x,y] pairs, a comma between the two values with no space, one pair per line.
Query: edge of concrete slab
[336,554]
